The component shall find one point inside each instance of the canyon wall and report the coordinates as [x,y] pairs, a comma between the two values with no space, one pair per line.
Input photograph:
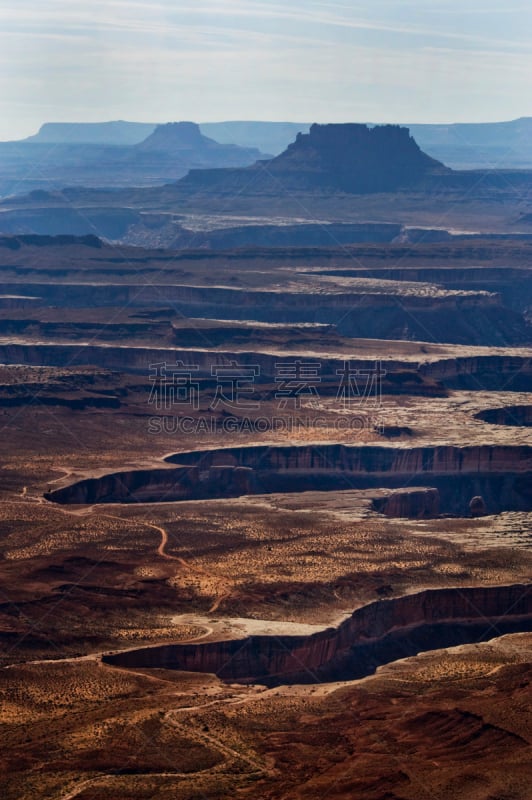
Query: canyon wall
[301,235]
[373,635]
[502,475]
[512,373]
[475,318]
[512,284]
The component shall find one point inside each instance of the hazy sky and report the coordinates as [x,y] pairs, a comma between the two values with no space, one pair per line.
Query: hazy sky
[303,60]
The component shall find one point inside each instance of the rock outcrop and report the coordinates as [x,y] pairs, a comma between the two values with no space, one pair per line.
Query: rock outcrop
[410,503]
[477,506]
[512,373]
[300,235]
[514,416]
[61,221]
[356,158]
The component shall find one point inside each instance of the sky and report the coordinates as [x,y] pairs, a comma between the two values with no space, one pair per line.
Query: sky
[303,60]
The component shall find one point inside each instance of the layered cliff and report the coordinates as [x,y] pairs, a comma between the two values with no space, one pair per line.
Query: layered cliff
[502,475]
[307,234]
[385,310]
[375,634]
[410,503]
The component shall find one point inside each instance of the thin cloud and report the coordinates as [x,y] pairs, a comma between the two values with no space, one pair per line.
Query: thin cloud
[211,59]
[72,16]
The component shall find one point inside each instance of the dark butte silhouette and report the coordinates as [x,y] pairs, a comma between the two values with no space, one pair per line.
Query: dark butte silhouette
[345,157]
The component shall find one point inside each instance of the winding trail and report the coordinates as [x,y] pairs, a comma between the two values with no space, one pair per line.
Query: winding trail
[219,596]
[229,754]
[162,552]
[225,584]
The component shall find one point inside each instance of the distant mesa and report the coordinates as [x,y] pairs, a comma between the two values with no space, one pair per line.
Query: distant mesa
[185,139]
[345,157]
[113,155]
[358,158]
[117,132]
[460,145]
[175,136]
[268,137]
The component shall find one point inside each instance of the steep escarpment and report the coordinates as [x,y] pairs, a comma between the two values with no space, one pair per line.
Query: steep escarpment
[363,459]
[511,373]
[35,240]
[513,285]
[500,474]
[138,358]
[494,372]
[375,634]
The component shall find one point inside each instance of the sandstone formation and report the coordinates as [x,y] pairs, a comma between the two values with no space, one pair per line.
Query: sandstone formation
[56,219]
[502,475]
[429,379]
[392,501]
[307,234]
[287,287]
[459,317]
[411,503]
[373,635]
[461,145]
[344,172]
[184,140]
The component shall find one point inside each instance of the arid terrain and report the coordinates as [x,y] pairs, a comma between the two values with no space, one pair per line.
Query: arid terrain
[265,517]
